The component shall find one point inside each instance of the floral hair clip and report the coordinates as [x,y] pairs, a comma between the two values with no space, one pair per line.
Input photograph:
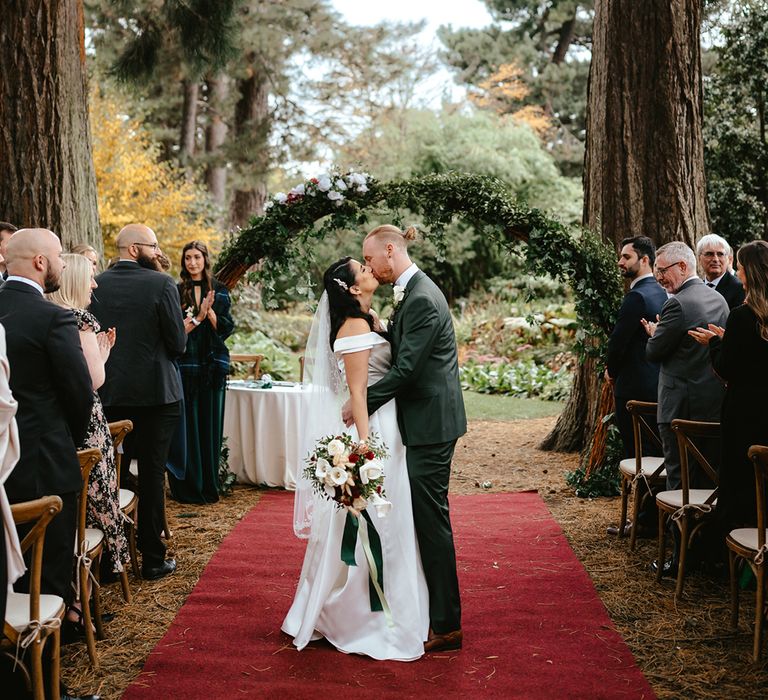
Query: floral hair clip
[341,284]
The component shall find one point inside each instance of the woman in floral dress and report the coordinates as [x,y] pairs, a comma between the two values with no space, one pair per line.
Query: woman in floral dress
[103,510]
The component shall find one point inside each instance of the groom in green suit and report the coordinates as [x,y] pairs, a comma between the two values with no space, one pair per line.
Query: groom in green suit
[424,381]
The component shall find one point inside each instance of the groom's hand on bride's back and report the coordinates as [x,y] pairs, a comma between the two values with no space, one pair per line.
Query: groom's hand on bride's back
[346,413]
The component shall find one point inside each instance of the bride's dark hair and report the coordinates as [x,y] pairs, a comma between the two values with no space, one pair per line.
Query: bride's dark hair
[337,281]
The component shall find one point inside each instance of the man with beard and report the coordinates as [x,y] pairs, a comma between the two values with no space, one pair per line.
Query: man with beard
[630,373]
[52,385]
[141,383]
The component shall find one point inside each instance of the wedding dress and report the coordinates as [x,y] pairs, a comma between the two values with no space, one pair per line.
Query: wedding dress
[332,599]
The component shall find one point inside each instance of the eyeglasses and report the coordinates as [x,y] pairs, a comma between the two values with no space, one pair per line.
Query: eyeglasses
[712,254]
[154,246]
[663,270]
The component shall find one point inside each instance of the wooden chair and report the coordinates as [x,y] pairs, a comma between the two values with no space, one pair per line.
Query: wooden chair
[89,546]
[32,618]
[640,468]
[690,509]
[129,502]
[749,544]
[301,369]
[255,359]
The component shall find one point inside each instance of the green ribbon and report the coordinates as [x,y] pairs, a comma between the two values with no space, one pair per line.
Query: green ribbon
[371,542]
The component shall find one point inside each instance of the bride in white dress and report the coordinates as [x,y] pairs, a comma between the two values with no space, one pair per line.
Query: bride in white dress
[332,599]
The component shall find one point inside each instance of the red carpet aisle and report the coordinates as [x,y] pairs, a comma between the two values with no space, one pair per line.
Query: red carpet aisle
[534,625]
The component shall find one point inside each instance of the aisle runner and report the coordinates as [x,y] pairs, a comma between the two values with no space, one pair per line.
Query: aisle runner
[534,626]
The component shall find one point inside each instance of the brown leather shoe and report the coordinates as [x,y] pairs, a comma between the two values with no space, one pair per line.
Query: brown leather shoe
[444,642]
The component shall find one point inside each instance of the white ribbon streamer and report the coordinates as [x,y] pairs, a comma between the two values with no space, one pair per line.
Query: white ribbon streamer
[85,561]
[31,632]
[701,507]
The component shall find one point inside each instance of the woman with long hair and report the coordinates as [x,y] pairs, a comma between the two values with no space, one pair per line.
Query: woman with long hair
[204,367]
[740,356]
[103,511]
[345,355]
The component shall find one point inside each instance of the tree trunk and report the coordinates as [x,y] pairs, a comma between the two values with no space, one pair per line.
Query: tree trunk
[644,163]
[251,136]
[46,165]
[564,40]
[215,134]
[188,124]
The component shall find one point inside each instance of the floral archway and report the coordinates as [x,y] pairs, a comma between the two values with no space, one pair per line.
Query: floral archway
[335,201]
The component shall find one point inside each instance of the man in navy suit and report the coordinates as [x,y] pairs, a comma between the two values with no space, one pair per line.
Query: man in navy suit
[632,375]
[715,256]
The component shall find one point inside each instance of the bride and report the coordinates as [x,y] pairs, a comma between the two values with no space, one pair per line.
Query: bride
[344,356]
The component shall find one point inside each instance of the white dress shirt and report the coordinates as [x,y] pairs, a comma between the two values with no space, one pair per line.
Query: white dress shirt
[26,280]
[406,275]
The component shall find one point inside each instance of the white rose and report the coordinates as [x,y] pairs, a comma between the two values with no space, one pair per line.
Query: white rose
[356,179]
[398,293]
[323,183]
[299,189]
[335,196]
[381,505]
[280,197]
[269,204]
[335,447]
[370,471]
[362,188]
[359,503]
[339,476]
[341,185]
[322,467]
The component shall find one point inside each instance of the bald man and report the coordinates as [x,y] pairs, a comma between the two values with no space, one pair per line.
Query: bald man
[51,382]
[142,384]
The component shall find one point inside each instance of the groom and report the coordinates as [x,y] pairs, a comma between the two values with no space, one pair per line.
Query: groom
[424,379]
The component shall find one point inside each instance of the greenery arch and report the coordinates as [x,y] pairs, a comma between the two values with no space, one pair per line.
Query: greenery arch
[338,201]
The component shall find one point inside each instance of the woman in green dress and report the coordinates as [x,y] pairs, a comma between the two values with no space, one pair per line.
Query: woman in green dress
[204,367]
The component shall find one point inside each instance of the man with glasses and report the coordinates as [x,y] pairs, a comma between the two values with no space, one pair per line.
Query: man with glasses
[688,388]
[142,384]
[715,258]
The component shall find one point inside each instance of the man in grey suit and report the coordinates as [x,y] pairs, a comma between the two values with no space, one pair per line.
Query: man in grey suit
[424,381]
[688,387]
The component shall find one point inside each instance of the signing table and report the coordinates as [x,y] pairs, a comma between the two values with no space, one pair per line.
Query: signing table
[263,428]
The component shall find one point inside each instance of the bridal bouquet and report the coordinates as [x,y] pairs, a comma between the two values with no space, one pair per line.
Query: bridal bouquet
[348,472]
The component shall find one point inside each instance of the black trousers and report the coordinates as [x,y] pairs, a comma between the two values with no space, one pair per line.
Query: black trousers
[623,421]
[149,442]
[58,552]
[429,471]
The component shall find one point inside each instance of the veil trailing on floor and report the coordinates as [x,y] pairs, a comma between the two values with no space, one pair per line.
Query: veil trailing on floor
[326,393]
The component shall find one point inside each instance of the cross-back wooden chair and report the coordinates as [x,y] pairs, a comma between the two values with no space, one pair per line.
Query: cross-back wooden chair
[88,549]
[749,544]
[633,470]
[689,509]
[254,359]
[33,618]
[301,368]
[129,502]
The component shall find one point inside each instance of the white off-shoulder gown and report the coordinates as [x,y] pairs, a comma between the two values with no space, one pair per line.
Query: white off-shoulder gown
[332,599]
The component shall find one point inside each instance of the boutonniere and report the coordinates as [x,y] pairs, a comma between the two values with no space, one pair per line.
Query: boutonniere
[398,294]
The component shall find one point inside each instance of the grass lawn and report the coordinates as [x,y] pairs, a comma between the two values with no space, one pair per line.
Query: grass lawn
[493,407]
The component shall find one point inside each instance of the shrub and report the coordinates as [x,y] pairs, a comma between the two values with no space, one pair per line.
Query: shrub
[524,379]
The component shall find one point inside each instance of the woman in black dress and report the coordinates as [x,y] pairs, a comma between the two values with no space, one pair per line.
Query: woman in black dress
[740,357]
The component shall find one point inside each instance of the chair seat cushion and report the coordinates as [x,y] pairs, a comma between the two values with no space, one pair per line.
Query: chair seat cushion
[126,496]
[648,465]
[93,537]
[675,498]
[17,608]
[746,537]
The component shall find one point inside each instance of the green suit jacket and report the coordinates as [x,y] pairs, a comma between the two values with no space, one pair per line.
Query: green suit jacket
[424,377]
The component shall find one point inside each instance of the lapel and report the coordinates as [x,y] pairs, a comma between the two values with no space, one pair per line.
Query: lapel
[408,288]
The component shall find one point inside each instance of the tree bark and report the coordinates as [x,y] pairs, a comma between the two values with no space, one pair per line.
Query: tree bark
[644,162]
[251,136]
[47,177]
[215,134]
[564,40]
[188,123]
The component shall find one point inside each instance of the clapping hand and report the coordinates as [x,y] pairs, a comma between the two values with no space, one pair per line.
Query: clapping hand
[106,342]
[650,326]
[704,335]
[208,306]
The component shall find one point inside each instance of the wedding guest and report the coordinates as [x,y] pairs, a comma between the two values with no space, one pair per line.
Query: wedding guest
[141,383]
[89,252]
[715,257]
[204,369]
[6,231]
[103,510]
[739,355]
[688,388]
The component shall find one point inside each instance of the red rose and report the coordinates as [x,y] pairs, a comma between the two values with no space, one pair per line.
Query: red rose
[354,458]
[369,456]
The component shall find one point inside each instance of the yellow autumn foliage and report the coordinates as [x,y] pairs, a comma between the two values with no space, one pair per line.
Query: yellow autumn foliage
[503,91]
[136,186]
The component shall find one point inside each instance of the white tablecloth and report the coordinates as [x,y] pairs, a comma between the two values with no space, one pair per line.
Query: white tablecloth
[263,429]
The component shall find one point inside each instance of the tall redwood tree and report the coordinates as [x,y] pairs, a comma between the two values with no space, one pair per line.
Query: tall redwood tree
[644,164]
[46,166]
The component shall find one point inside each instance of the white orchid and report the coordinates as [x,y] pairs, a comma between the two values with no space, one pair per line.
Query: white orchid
[322,467]
[370,471]
[339,476]
[281,197]
[335,447]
